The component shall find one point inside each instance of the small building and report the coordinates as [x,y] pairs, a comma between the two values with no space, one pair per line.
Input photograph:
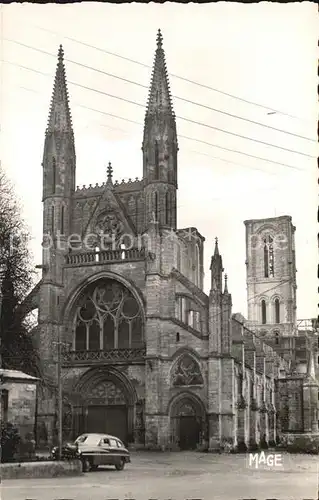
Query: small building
[18,400]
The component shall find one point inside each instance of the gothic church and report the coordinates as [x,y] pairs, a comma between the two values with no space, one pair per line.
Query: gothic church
[145,354]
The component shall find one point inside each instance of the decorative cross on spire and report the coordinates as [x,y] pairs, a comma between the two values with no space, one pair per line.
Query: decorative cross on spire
[159,39]
[109,172]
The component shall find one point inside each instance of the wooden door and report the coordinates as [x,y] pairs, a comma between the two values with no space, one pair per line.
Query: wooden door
[108,420]
[117,422]
[189,432]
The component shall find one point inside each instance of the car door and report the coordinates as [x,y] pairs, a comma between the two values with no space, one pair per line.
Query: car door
[114,451]
[105,454]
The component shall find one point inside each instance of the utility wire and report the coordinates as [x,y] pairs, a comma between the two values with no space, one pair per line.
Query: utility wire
[268,108]
[138,123]
[112,75]
[185,137]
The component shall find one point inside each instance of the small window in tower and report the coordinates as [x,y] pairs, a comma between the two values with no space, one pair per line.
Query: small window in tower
[156,161]
[183,310]
[271,257]
[53,175]
[276,337]
[52,220]
[62,219]
[266,269]
[263,312]
[167,208]
[156,206]
[197,266]
[177,337]
[277,311]
[191,318]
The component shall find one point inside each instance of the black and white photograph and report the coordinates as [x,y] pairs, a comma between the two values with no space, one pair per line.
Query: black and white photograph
[159,251]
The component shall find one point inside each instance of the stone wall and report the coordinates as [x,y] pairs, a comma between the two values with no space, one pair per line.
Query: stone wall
[43,470]
[21,405]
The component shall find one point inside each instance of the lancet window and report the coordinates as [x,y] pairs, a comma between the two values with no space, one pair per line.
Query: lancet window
[277,311]
[268,257]
[263,312]
[53,175]
[108,317]
[156,161]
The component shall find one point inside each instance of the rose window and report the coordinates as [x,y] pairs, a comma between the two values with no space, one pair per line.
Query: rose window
[108,317]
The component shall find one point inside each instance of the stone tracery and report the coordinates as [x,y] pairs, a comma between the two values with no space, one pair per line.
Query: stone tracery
[186,372]
[108,317]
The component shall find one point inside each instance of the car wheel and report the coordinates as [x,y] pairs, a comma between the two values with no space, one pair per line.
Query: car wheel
[120,465]
[86,465]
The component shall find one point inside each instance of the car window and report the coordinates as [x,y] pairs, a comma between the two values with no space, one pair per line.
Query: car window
[81,439]
[113,443]
[119,444]
[105,442]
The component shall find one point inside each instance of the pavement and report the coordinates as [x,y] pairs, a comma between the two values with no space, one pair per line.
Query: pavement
[180,476]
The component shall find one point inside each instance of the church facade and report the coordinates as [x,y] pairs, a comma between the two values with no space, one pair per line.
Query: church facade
[143,352]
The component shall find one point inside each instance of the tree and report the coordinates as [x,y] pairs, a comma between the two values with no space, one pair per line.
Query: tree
[16,278]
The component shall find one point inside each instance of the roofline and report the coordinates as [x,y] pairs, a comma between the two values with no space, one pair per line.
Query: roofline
[268,219]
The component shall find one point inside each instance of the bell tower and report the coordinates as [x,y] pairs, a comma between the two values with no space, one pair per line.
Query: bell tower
[160,147]
[271,275]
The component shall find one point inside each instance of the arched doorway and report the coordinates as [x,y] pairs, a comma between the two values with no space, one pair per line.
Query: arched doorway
[107,404]
[107,410]
[187,422]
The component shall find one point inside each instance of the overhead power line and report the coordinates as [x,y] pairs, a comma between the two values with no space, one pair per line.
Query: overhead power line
[139,123]
[268,108]
[112,75]
[129,101]
[189,138]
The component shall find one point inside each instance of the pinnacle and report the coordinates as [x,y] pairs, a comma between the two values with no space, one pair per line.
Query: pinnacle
[216,252]
[60,54]
[159,39]
[226,287]
[109,171]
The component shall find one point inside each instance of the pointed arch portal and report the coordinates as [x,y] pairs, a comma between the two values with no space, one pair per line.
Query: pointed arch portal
[187,419]
[105,404]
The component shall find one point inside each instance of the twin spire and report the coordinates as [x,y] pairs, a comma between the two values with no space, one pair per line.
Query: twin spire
[159,98]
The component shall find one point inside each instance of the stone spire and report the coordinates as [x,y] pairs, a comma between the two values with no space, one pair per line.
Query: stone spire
[59,114]
[160,146]
[59,157]
[159,99]
[217,269]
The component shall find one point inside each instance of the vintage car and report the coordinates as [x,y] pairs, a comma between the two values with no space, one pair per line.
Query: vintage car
[97,449]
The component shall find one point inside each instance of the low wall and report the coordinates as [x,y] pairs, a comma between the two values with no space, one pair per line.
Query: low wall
[300,443]
[40,469]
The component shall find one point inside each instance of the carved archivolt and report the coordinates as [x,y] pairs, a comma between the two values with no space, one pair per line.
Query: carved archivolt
[186,372]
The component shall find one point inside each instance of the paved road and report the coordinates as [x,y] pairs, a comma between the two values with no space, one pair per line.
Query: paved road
[179,476]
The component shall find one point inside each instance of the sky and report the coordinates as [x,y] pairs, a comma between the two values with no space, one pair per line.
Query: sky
[247,60]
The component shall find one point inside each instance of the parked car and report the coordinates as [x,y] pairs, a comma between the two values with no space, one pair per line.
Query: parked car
[96,449]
